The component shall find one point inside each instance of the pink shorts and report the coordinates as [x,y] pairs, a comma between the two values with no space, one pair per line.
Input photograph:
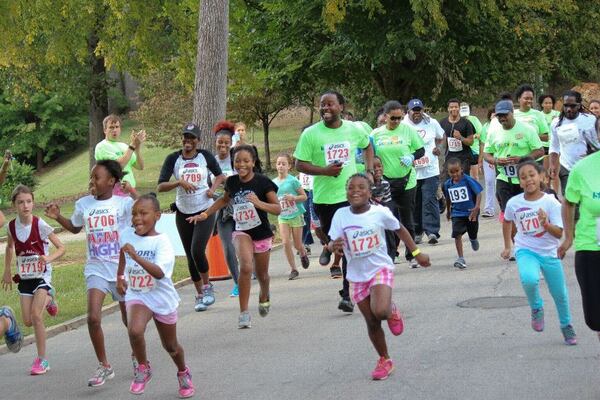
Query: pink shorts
[260,246]
[169,319]
[362,290]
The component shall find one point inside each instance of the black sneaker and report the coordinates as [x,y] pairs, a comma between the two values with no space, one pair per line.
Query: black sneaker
[346,305]
[305,261]
[432,238]
[336,272]
[325,257]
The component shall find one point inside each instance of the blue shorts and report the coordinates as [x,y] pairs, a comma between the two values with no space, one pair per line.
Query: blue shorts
[97,282]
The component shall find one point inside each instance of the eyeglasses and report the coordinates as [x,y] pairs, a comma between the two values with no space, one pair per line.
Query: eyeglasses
[395,118]
[417,109]
[571,105]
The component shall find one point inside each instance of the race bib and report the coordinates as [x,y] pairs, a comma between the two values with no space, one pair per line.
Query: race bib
[422,162]
[288,207]
[140,280]
[102,231]
[194,175]
[510,170]
[30,267]
[568,133]
[245,216]
[458,194]
[337,153]
[528,222]
[454,144]
[363,241]
[306,181]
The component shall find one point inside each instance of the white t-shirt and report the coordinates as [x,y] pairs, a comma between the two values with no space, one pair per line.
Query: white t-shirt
[103,221]
[23,232]
[159,295]
[427,166]
[306,181]
[571,138]
[530,233]
[364,240]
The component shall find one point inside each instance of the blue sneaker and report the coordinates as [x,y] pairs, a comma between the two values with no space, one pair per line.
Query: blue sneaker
[208,294]
[474,244]
[235,292]
[199,304]
[13,336]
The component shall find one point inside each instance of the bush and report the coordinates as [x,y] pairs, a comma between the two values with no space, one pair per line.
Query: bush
[18,173]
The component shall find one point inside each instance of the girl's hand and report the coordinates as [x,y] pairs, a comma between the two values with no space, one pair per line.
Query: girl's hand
[43,259]
[52,211]
[210,193]
[289,197]
[188,187]
[197,218]
[121,286]
[128,249]
[423,260]
[7,281]
[252,198]
[141,136]
[564,247]
[336,246]
[542,217]
[505,253]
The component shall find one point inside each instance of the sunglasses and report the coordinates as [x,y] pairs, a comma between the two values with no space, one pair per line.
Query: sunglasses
[395,118]
[571,105]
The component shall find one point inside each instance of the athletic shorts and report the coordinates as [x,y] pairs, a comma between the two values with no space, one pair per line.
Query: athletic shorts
[296,222]
[588,277]
[462,225]
[97,282]
[168,319]
[505,191]
[260,246]
[361,290]
[27,287]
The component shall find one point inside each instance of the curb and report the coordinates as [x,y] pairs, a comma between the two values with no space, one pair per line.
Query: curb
[82,319]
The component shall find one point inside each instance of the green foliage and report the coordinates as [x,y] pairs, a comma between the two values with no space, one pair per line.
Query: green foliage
[18,173]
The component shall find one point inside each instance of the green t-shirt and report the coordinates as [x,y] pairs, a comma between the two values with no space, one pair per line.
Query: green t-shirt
[289,185]
[478,128]
[392,145]
[519,141]
[109,150]
[321,146]
[536,119]
[484,132]
[583,188]
[550,116]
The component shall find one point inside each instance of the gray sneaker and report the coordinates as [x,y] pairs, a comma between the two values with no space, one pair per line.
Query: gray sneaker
[13,336]
[200,306]
[418,238]
[293,275]
[433,239]
[244,320]
[460,263]
[475,244]
[101,375]
[209,294]
[412,263]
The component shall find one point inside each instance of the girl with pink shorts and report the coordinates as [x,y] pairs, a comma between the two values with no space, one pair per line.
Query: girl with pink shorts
[359,232]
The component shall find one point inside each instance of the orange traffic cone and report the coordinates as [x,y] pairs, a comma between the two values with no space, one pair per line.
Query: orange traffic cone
[218,269]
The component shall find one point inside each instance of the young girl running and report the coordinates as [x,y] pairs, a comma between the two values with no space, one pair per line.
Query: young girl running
[359,232]
[253,195]
[537,216]
[144,277]
[28,237]
[103,216]
[291,220]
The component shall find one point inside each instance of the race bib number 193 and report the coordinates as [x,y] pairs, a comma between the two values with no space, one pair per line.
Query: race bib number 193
[458,194]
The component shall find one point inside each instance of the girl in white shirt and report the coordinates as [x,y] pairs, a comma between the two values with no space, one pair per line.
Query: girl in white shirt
[537,216]
[359,232]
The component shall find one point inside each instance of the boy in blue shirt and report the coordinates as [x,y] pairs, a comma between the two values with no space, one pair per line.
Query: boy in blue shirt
[463,196]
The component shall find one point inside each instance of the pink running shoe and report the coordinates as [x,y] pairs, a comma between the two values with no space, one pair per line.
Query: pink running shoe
[52,307]
[186,387]
[39,367]
[537,319]
[395,322]
[383,369]
[143,375]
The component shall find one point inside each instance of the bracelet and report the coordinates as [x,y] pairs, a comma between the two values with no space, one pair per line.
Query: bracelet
[131,148]
[416,252]
[121,277]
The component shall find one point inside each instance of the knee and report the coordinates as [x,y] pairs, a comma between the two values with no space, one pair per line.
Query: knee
[245,268]
[93,320]
[529,281]
[373,325]
[36,319]
[135,332]
[27,321]
[171,348]
[380,314]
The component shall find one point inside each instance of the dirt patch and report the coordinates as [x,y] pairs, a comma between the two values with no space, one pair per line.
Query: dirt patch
[589,91]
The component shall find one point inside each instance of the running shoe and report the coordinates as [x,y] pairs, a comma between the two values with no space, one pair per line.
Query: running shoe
[293,275]
[418,238]
[13,336]
[305,261]
[537,319]
[235,292]
[263,308]
[209,294]
[474,244]
[143,375]
[413,263]
[325,257]
[569,335]
[395,322]
[39,367]
[186,387]
[101,375]
[460,263]
[307,248]
[433,239]
[346,305]
[200,306]
[134,363]
[244,320]
[52,307]
[383,369]
[488,214]
[336,272]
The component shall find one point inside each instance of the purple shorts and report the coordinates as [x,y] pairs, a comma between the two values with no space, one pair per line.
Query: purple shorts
[260,246]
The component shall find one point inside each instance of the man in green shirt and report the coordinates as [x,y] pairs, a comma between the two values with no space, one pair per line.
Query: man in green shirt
[327,150]
[505,146]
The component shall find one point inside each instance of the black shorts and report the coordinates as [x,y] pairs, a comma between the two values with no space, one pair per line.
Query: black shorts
[27,287]
[588,277]
[462,225]
[505,191]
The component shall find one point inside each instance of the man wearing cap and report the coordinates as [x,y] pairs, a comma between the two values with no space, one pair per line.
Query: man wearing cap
[427,210]
[459,133]
[506,146]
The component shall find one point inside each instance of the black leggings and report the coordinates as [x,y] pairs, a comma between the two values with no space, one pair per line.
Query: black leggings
[194,238]
[588,277]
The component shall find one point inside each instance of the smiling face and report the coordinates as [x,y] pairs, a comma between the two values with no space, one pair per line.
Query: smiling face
[416,115]
[377,169]
[595,108]
[526,101]
[223,144]
[101,181]
[454,109]
[455,172]
[113,130]
[243,162]
[330,108]
[506,120]
[144,216]
[358,192]
[189,142]
[24,204]
[530,179]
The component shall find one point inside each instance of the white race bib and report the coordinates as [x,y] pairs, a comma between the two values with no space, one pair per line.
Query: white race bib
[458,194]
[363,242]
[528,222]
[510,170]
[103,233]
[337,153]
[287,207]
[245,216]
[194,175]
[306,181]
[454,144]
[422,162]
[568,133]
[30,267]
[140,280]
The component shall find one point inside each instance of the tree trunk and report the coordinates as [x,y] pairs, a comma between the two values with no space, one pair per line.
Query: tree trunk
[264,118]
[39,159]
[98,98]
[210,85]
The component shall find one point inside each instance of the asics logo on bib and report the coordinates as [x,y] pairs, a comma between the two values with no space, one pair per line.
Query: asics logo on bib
[101,211]
[363,232]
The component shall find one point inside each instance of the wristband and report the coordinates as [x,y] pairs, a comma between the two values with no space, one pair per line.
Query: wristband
[121,277]
[131,148]
[416,252]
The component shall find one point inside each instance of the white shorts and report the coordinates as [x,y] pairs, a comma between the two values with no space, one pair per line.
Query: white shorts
[97,282]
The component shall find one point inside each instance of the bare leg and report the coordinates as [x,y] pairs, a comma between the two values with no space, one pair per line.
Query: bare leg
[244,248]
[261,261]
[168,337]
[139,315]
[95,300]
